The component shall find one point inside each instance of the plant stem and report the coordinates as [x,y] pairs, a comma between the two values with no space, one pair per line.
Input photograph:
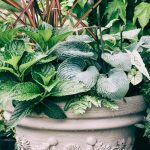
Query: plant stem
[101,39]
[121,37]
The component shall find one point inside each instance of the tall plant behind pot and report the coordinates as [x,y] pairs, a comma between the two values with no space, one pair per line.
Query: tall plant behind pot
[50,70]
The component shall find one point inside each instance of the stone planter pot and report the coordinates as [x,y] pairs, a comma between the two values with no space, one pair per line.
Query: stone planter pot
[98,129]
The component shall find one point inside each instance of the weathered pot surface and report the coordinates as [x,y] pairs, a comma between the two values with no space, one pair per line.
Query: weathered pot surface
[98,129]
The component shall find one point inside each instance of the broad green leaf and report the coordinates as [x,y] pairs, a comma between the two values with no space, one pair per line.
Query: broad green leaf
[22,109]
[135,77]
[52,110]
[43,73]
[141,13]
[8,69]
[46,34]
[57,38]
[29,60]
[25,91]
[82,3]
[68,88]
[5,95]
[13,52]
[7,36]
[116,9]
[36,37]
[47,59]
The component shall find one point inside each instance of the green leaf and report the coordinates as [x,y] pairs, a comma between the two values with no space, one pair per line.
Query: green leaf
[13,52]
[43,73]
[135,77]
[82,3]
[116,9]
[46,34]
[68,88]
[29,60]
[141,13]
[5,92]
[57,38]
[110,105]
[36,37]
[7,36]
[52,110]
[79,105]
[22,109]
[25,91]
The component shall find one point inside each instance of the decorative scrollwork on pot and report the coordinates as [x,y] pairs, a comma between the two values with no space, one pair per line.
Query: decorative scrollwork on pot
[24,144]
[121,144]
[72,147]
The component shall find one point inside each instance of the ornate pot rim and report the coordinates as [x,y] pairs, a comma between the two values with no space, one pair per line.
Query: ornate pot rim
[130,112]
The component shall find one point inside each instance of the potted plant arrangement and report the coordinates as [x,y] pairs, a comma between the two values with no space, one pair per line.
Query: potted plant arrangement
[46,71]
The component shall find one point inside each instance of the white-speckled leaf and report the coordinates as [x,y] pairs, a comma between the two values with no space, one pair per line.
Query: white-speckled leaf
[72,69]
[135,77]
[119,60]
[137,61]
[115,86]
[74,49]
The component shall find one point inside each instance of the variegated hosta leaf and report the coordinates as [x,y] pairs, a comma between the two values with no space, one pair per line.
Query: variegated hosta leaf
[69,68]
[145,42]
[79,38]
[115,86]
[135,77]
[74,49]
[72,69]
[137,61]
[119,60]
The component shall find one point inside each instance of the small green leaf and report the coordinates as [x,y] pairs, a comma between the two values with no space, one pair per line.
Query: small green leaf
[29,60]
[57,38]
[13,52]
[22,109]
[52,110]
[141,13]
[46,34]
[7,36]
[43,73]
[82,3]
[25,91]
[116,9]
[135,77]
[79,105]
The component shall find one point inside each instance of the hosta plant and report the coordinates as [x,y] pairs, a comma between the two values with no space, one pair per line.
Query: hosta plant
[42,66]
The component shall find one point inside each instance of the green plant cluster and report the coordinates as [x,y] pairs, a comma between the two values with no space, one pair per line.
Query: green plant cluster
[40,65]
